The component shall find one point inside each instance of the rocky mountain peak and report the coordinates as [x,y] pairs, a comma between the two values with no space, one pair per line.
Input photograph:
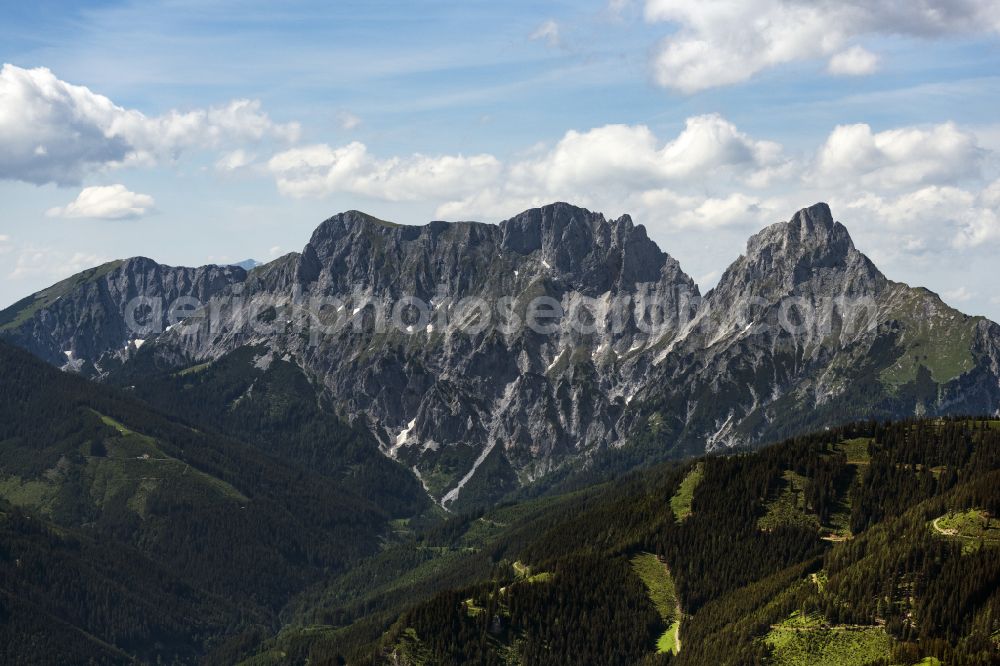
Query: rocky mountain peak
[545,227]
[581,248]
[811,235]
[347,227]
[474,412]
[580,243]
[811,252]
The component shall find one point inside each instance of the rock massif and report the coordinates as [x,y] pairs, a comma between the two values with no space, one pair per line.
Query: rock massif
[803,331]
[101,312]
[486,356]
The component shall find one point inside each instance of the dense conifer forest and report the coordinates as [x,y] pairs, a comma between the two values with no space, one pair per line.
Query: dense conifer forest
[149,537]
[826,548]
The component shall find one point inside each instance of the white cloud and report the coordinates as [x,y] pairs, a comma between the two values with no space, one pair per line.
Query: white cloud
[548,31]
[5,246]
[53,131]
[710,142]
[737,209]
[855,61]
[990,196]
[958,295]
[51,263]
[347,120]
[319,170]
[932,219]
[632,156]
[978,226]
[626,166]
[726,42]
[899,157]
[274,251]
[235,160]
[107,202]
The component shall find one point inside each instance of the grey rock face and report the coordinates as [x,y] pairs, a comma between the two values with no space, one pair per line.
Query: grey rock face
[439,395]
[802,331]
[80,320]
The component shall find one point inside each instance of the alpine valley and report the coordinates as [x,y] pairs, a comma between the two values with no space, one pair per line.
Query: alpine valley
[341,457]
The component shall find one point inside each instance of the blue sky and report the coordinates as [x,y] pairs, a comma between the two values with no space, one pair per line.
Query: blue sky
[198,132]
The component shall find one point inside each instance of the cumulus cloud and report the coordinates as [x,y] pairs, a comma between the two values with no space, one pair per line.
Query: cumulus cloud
[722,43]
[737,209]
[990,196]
[107,202]
[899,157]
[234,160]
[632,156]
[547,31]
[855,61]
[319,170]
[53,131]
[933,218]
[630,166]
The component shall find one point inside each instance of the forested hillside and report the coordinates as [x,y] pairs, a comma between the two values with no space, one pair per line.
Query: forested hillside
[271,404]
[868,544]
[143,537]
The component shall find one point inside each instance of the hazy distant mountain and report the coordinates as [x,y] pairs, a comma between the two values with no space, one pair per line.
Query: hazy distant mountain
[802,331]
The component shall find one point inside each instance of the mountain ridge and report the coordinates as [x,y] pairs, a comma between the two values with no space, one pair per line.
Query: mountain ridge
[801,331]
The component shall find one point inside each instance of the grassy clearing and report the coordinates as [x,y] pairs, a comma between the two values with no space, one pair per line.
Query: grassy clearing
[36,494]
[856,450]
[670,640]
[108,421]
[660,586]
[819,579]
[658,581]
[523,572]
[680,503]
[194,369]
[138,458]
[975,527]
[789,508]
[472,608]
[809,641]
[524,575]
